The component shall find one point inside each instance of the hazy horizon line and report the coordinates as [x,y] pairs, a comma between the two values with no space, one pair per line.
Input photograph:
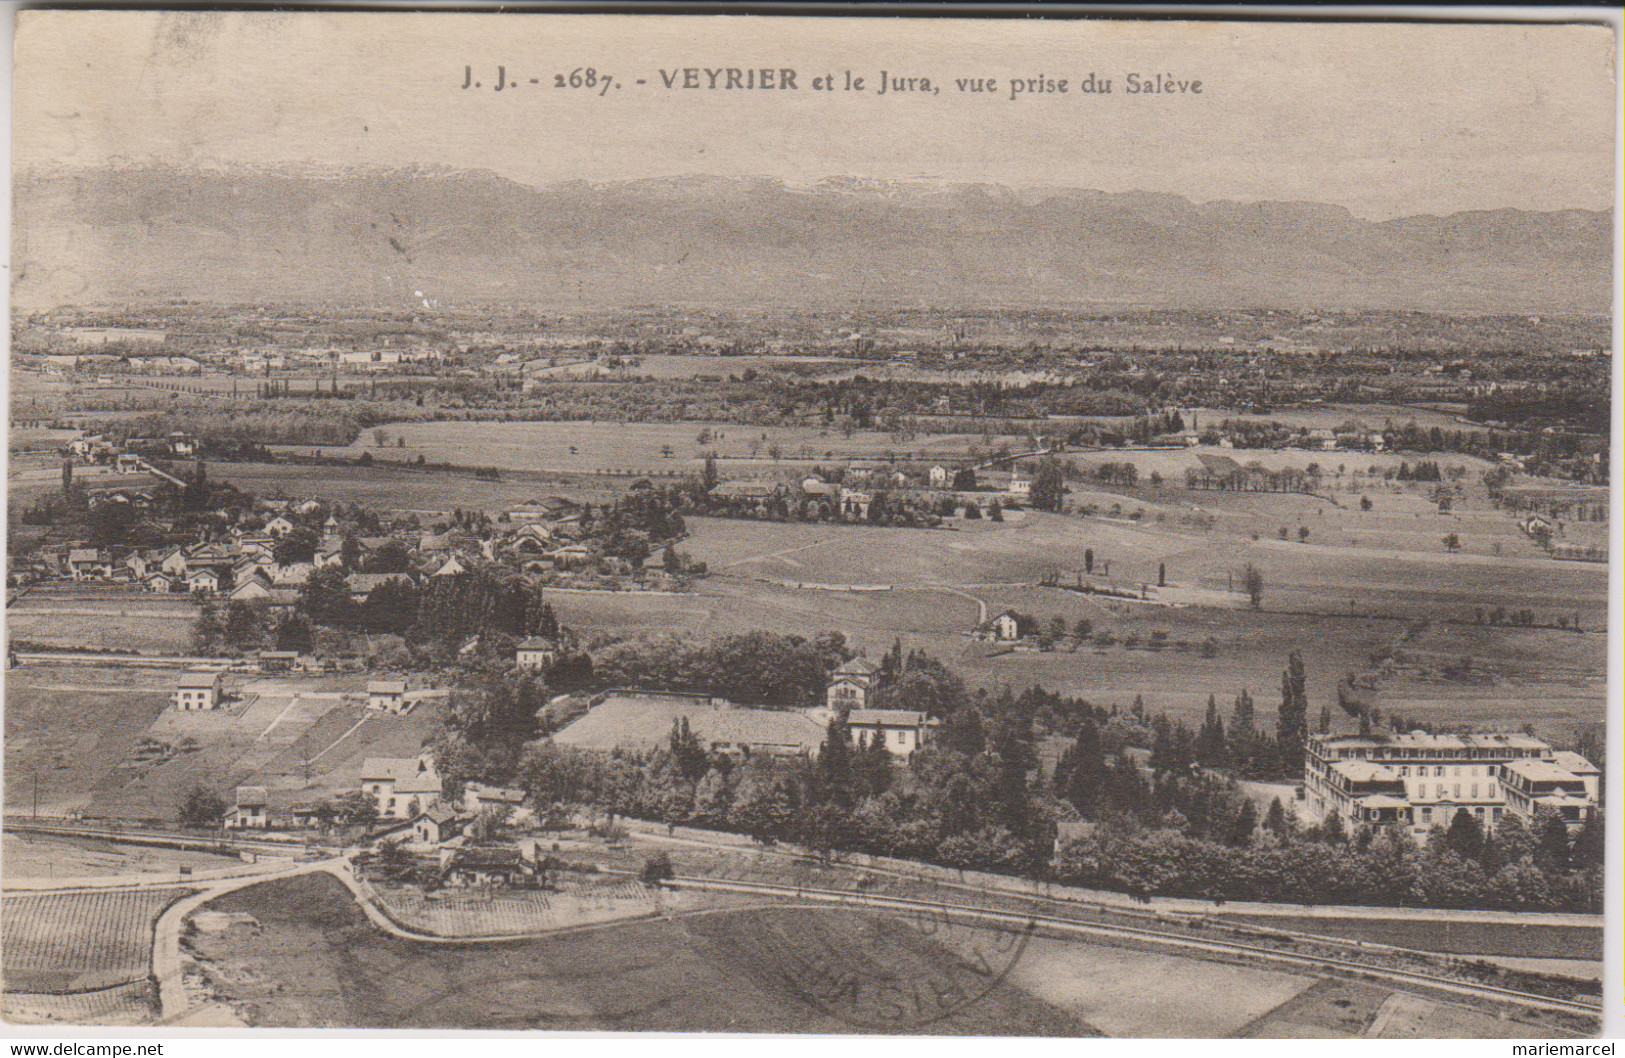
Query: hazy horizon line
[328,170]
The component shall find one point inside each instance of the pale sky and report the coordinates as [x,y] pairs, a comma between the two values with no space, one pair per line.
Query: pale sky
[1386,120]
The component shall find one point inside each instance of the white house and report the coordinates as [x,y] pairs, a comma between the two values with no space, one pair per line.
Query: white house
[939,476]
[901,731]
[198,691]
[401,786]
[203,581]
[388,695]
[435,825]
[250,812]
[279,525]
[1005,627]
[537,652]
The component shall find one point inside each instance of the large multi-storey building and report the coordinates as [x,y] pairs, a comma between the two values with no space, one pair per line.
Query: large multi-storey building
[1420,781]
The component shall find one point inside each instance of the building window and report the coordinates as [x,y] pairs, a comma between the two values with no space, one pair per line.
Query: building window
[1457,792]
[1427,815]
[1475,791]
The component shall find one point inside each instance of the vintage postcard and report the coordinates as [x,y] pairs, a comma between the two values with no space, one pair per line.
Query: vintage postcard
[797,525]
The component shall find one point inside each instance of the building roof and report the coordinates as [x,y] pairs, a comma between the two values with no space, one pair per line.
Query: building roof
[440,814]
[1575,763]
[537,643]
[1424,741]
[858,666]
[280,655]
[409,774]
[252,797]
[1381,801]
[645,722]
[1541,771]
[84,554]
[197,679]
[509,794]
[760,727]
[386,686]
[887,717]
[1365,771]
[486,856]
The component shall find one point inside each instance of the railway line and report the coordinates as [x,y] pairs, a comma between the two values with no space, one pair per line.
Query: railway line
[1064,927]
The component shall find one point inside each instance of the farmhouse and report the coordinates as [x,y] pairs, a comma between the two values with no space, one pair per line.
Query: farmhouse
[901,731]
[388,695]
[484,865]
[401,786]
[1421,781]
[1005,628]
[537,652]
[87,563]
[198,691]
[249,813]
[204,581]
[435,825]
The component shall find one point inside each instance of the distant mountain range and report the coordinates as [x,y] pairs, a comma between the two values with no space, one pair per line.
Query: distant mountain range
[464,237]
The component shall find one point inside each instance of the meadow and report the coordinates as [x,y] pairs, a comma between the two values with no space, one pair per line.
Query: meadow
[789,577]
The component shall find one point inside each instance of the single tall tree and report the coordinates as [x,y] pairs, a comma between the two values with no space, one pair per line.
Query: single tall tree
[1292,727]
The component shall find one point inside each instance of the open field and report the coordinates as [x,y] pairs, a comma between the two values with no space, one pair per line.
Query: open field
[78,942]
[742,451]
[79,730]
[945,580]
[1331,416]
[72,731]
[35,856]
[381,488]
[147,624]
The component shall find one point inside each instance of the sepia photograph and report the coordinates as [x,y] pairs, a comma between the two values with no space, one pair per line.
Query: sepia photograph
[1023,527]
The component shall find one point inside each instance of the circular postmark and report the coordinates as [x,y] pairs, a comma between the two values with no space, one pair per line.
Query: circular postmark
[898,965]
